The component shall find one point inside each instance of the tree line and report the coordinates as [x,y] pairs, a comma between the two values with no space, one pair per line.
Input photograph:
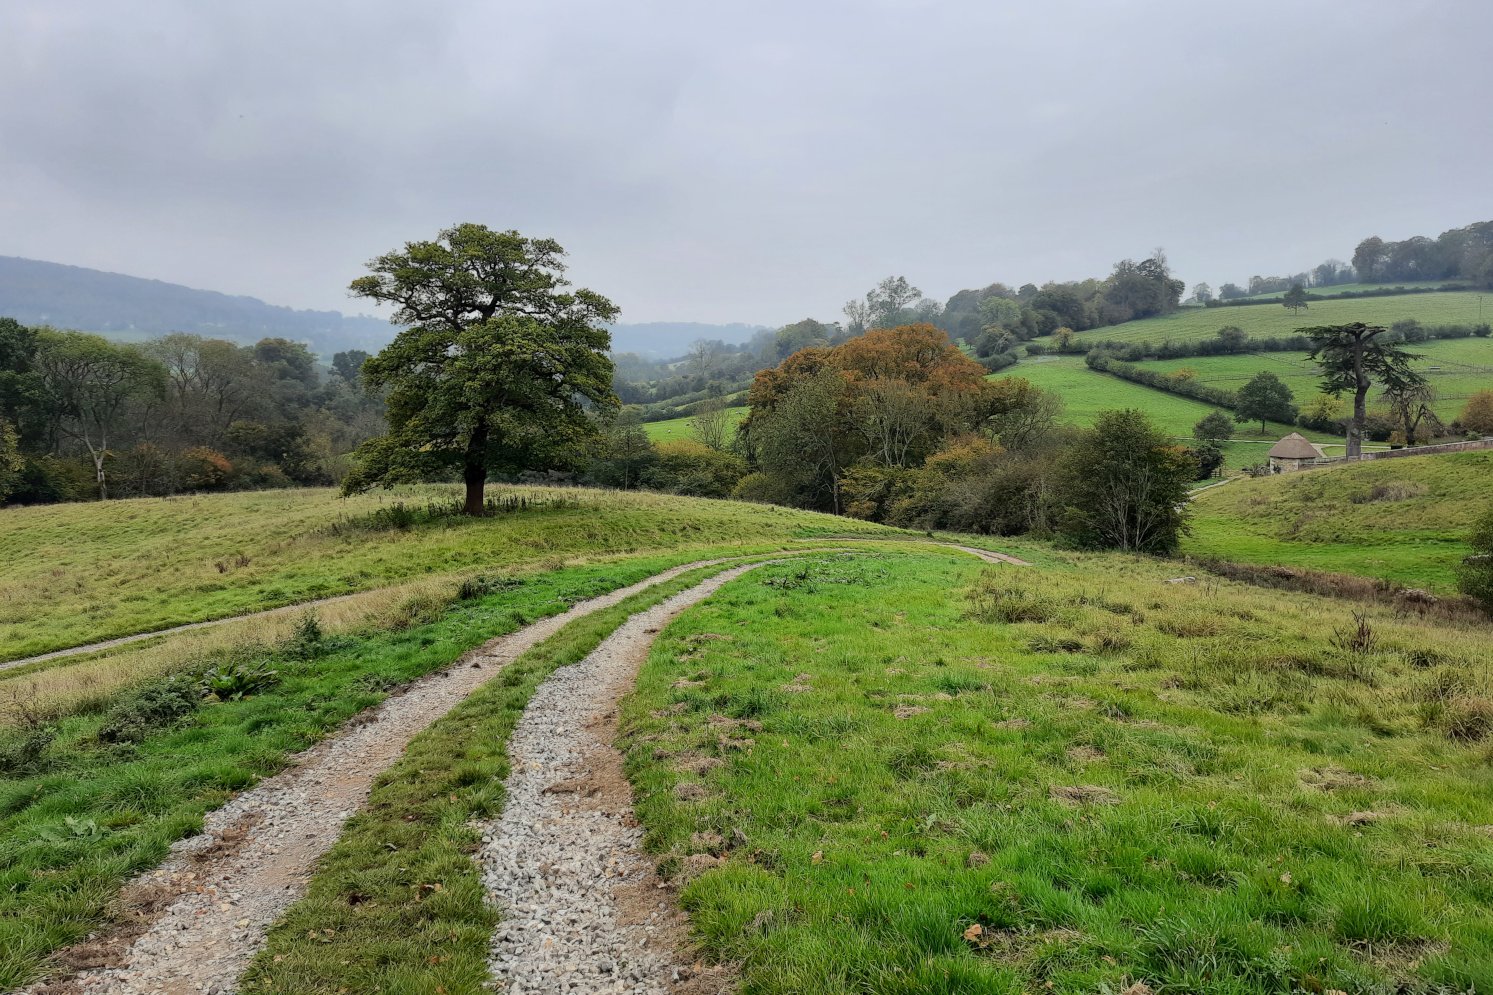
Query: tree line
[82,417]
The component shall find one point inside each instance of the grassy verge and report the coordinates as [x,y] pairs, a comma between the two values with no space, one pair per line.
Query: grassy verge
[397,905]
[99,795]
[153,563]
[919,775]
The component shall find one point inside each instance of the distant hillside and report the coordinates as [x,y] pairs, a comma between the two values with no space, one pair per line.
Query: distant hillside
[41,293]
[128,307]
[1188,324]
[670,339]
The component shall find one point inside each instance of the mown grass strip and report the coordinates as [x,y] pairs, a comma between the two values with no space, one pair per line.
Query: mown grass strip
[102,794]
[397,905]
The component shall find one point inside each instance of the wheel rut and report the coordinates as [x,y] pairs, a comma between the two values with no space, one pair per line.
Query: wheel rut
[195,921]
[583,911]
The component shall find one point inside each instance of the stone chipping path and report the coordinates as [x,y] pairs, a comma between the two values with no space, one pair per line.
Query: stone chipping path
[203,913]
[582,910]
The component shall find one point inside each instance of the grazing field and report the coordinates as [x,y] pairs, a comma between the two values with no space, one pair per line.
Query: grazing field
[679,428]
[1456,368]
[1450,308]
[1086,393]
[81,573]
[913,775]
[1405,520]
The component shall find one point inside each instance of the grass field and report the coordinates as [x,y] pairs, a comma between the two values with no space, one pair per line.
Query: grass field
[80,573]
[1457,368]
[1405,520]
[917,775]
[1452,308]
[1086,392]
[679,428]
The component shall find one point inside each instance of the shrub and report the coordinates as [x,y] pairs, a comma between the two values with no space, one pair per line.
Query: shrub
[204,469]
[238,680]
[154,706]
[689,467]
[1475,575]
[1477,416]
[308,639]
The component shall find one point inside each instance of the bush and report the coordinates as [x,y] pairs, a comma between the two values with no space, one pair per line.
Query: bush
[1475,575]
[690,467]
[154,706]
[238,680]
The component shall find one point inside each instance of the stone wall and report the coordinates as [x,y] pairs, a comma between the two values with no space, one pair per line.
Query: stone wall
[1449,447]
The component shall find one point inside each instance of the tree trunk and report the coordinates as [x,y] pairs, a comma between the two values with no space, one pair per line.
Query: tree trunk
[474,473]
[1360,404]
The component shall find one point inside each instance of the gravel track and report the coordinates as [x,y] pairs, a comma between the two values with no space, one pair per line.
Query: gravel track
[582,910]
[202,914]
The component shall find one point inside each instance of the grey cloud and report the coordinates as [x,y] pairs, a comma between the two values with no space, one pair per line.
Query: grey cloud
[735,161]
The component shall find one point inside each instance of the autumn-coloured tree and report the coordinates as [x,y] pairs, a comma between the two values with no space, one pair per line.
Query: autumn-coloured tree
[1477,416]
[888,396]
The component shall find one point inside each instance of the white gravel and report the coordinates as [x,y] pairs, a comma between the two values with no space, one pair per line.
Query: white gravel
[221,890]
[582,912]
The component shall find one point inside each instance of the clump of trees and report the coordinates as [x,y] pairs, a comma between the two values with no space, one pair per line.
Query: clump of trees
[898,426]
[82,417]
[1458,254]
[993,318]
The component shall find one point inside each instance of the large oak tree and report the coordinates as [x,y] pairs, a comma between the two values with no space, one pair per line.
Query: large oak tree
[498,367]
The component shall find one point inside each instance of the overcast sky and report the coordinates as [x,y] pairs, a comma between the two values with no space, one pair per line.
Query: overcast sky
[719,161]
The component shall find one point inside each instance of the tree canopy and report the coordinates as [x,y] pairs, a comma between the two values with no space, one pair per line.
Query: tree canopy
[1351,359]
[1264,398]
[498,368]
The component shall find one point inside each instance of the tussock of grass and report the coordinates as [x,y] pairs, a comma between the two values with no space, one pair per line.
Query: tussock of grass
[1234,805]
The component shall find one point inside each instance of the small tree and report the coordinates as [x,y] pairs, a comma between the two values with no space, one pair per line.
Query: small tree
[1123,485]
[1477,416]
[1411,405]
[1214,427]
[1202,293]
[1294,299]
[1475,575]
[1233,338]
[711,425]
[1264,398]
[1350,358]
[11,462]
[497,368]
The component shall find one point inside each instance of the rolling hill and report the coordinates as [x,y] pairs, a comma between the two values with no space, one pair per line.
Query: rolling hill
[132,309]
[1404,520]
[1462,307]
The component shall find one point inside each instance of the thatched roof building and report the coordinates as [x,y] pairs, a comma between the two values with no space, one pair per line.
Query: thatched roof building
[1293,452]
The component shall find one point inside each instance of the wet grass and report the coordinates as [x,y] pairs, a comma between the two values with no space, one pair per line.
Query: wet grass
[90,798]
[917,774]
